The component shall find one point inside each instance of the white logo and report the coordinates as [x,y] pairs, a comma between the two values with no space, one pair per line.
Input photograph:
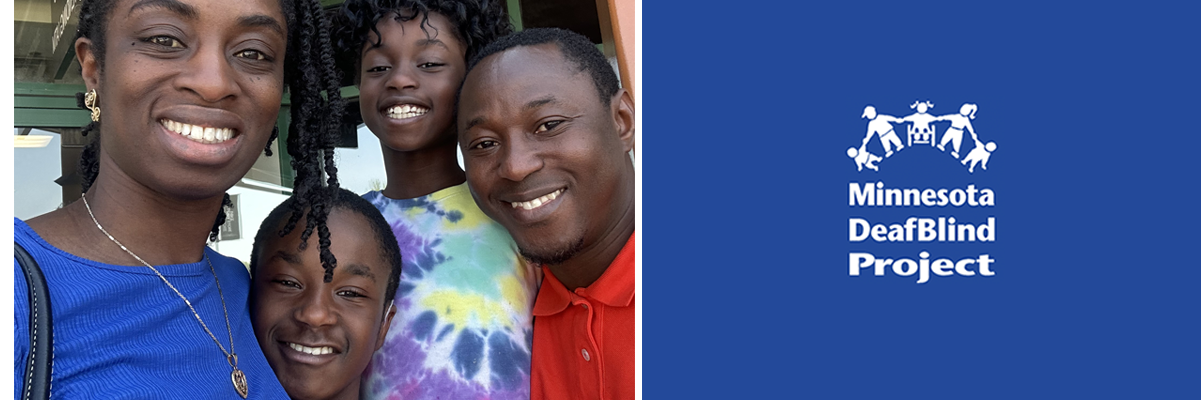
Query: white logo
[921,130]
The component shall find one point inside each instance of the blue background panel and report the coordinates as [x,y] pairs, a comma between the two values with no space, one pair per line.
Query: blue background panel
[748,111]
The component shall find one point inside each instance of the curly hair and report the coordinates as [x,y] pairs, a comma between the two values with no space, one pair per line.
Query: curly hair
[476,23]
[312,80]
[575,48]
[339,199]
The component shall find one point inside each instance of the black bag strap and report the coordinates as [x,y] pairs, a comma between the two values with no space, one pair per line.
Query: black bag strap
[41,334]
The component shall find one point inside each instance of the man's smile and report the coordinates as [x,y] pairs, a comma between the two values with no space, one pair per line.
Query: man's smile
[537,202]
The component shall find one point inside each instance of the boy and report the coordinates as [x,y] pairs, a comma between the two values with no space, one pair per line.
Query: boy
[318,328]
[463,323]
[546,133]
[863,158]
[979,154]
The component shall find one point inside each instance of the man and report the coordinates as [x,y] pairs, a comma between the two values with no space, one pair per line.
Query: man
[545,132]
[880,124]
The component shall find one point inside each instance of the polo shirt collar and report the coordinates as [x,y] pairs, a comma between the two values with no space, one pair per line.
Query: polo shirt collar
[614,288]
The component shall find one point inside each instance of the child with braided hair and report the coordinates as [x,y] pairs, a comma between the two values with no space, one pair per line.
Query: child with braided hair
[318,334]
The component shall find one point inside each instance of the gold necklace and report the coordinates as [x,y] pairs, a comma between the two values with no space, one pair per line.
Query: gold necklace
[238,378]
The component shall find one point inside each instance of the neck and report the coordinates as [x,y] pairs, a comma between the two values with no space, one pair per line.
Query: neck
[591,262]
[159,229]
[418,173]
[351,392]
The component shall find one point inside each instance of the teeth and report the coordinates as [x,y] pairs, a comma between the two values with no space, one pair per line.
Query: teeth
[311,350]
[404,111]
[538,202]
[200,134]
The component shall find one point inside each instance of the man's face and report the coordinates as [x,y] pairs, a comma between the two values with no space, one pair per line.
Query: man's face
[318,336]
[545,157]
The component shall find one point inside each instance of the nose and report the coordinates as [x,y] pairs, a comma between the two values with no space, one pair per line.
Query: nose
[315,310]
[209,75]
[402,78]
[519,159]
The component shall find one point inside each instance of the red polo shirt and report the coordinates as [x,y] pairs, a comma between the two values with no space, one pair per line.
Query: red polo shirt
[584,339]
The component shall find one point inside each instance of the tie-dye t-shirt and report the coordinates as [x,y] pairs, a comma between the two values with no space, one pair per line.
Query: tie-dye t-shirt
[463,325]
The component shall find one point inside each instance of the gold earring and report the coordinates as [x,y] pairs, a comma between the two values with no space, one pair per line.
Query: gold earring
[89,101]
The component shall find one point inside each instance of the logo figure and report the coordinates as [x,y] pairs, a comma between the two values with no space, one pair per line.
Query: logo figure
[979,154]
[921,130]
[881,125]
[954,134]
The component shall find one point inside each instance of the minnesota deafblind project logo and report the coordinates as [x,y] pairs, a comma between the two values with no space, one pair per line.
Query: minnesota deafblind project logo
[921,129]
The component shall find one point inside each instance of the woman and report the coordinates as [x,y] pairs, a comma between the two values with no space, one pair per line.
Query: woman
[959,122]
[184,95]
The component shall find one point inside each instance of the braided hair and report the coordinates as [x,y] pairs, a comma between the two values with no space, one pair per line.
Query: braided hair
[339,199]
[312,81]
[476,23]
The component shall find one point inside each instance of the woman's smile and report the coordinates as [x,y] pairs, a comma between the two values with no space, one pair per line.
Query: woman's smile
[198,133]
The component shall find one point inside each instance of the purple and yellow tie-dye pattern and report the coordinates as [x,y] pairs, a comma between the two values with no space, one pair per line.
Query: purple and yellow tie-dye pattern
[463,325]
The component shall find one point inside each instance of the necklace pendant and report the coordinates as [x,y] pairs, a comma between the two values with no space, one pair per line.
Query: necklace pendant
[239,382]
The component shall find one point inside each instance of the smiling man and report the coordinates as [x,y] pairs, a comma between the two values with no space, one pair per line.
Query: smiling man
[546,133]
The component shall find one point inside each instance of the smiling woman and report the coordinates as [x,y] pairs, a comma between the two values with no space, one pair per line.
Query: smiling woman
[184,95]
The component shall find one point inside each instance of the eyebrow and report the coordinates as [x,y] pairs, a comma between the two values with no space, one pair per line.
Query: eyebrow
[473,122]
[533,104]
[430,42]
[189,12]
[420,43]
[184,10]
[360,270]
[290,258]
[539,103]
[354,269]
[260,20]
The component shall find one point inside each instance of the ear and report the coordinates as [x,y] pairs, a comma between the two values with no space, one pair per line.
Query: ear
[623,118]
[88,64]
[383,330]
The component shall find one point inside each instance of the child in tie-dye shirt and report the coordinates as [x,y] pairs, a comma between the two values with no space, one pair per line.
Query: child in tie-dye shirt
[463,324]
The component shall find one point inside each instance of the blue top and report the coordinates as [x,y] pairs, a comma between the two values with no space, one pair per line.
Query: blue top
[121,333]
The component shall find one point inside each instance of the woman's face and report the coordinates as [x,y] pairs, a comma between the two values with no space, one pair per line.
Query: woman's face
[190,90]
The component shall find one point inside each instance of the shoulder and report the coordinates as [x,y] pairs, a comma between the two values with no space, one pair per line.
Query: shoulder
[461,209]
[377,199]
[24,235]
[373,196]
[42,251]
[229,269]
[393,210]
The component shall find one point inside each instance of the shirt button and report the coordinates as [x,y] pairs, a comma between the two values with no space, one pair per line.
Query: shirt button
[585,353]
[585,306]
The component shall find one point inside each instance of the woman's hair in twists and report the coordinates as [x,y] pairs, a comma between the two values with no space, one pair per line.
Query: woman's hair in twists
[316,109]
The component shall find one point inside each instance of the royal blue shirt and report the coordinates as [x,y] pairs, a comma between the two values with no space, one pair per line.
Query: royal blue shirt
[121,333]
